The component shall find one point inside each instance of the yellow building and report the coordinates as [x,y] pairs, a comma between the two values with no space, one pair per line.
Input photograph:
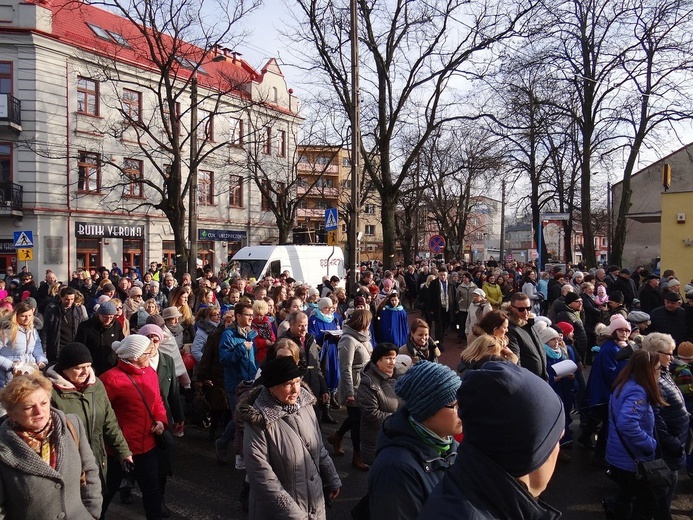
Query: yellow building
[677,234]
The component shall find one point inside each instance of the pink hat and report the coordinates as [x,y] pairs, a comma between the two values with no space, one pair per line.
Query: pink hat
[617,322]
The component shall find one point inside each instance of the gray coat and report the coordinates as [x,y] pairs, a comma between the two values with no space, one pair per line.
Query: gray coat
[354,352]
[32,490]
[284,482]
[377,400]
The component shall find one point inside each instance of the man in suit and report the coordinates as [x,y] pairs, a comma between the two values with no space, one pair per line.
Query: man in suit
[441,304]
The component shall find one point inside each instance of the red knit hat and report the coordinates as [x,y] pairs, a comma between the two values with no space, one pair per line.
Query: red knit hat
[566,327]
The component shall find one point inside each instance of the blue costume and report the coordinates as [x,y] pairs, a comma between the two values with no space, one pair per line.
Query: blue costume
[318,323]
[394,327]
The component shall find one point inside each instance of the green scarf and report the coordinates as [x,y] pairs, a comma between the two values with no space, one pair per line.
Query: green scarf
[431,438]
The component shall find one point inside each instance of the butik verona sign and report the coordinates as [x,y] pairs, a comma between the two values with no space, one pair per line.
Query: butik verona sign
[86,229]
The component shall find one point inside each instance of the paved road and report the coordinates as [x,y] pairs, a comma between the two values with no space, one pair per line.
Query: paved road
[202,489]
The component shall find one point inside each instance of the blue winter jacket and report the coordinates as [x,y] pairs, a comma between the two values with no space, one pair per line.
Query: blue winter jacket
[634,417]
[603,374]
[238,362]
[405,470]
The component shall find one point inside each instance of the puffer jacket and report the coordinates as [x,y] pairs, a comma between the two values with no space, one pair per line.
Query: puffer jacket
[524,343]
[477,488]
[284,482]
[354,352]
[403,458]
[672,422]
[204,329]
[99,340]
[94,410]
[633,416]
[377,400]
[31,490]
[464,296]
[566,314]
[238,361]
[25,349]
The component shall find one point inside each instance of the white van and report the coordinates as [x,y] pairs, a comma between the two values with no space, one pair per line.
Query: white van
[307,264]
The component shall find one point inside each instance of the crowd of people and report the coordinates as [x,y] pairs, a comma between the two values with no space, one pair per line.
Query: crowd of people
[105,367]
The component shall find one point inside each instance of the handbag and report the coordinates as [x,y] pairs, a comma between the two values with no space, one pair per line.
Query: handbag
[164,440]
[655,472]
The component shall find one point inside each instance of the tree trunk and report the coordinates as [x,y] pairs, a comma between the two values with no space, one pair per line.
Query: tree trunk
[389,205]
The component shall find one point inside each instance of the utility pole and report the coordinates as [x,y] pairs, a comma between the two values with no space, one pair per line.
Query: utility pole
[609,222]
[501,260]
[192,189]
[355,150]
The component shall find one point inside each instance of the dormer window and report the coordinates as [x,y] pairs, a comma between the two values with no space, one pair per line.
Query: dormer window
[101,33]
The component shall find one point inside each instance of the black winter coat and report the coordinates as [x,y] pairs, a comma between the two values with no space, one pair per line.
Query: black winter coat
[568,315]
[666,322]
[650,298]
[672,422]
[526,345]
[99,340]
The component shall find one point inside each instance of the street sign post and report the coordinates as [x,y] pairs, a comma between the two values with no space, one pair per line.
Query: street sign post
[23,239]
[332,238]
[25,254]
[436,244]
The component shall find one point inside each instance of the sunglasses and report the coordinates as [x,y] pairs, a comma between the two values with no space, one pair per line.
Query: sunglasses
[521,309]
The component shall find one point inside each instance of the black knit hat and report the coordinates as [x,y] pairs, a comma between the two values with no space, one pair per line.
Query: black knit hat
[383,349]
[280,370]
[73,354]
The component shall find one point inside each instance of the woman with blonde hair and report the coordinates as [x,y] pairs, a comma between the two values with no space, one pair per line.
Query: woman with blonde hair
[263,326]
[47,469]
[20,343]
[485,348]
[179,298]
[120,316]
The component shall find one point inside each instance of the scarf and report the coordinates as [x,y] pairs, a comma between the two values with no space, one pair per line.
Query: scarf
[288,408]
[263,328]
[40,442]
[551,353]
[430,437]
[327,318]
[398,308]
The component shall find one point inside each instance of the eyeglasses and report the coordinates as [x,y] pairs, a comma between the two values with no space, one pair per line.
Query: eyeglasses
[670,354]
[247,315]
[523,309]
[119,308]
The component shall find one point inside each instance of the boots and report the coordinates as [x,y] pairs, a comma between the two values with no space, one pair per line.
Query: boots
[333,402]
[325,416]
[358,463]
[336,440]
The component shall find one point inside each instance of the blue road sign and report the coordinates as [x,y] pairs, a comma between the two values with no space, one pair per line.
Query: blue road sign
[23,239]
[331,219]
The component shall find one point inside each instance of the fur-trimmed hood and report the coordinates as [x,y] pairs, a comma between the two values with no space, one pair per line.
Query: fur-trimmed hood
[62,384]
[260,409]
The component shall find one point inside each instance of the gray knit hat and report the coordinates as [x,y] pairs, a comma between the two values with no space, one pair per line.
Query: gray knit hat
[426,388]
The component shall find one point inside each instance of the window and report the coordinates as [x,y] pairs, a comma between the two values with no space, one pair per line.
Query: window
[323,160]
[89,172]
[369,209]
[281,143]
[87,96]
[190,65]
[205,188]
[266,194]
[324,183]
[205,125]
[322,204]
[303,159]
[132,169]
[101,33]
[370,230]
[236,191]
[171,122]
[275,95]
[5,77]
[132,104]
[236,131]
[5,162]
[118,38]
[346,162]
[268,140]
[475,221]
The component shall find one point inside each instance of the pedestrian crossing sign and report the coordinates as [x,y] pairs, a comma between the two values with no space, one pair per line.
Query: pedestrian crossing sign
[331,218]
[23,239]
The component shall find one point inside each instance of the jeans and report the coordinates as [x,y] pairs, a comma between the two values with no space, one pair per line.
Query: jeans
[147,477]
[230,430]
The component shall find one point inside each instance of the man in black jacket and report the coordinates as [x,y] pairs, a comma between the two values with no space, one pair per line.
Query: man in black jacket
[670,318]
[98,333]
[61,319]
[650,297]
[524,341]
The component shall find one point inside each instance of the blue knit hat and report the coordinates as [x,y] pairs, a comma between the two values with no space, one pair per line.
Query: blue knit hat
[426,388]
[510,415]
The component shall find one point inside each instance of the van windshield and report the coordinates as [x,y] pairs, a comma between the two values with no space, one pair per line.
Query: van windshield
[251,268]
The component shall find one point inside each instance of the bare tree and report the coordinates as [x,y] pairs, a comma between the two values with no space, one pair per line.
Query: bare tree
[154,115]
[411,53]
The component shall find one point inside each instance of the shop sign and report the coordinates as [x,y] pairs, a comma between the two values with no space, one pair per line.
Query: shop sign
[221,235]
[7,246]
[85,229]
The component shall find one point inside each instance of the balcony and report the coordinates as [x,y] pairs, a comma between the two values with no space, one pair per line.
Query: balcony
[318,169]
[10,112]
[11,198]
[325,193]
[318,214]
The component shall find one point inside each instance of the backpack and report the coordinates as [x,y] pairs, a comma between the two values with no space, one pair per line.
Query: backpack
[683,377]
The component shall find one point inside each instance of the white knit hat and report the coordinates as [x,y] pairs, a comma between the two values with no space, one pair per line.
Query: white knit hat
[324,302]
[547,334]
[131,347]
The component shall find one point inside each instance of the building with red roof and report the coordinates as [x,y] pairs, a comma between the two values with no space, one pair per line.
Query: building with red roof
[89,149]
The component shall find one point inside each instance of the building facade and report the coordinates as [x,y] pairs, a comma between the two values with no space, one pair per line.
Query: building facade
[85,141]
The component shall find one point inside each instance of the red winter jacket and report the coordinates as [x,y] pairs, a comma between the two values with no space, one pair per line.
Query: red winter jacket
[132,415]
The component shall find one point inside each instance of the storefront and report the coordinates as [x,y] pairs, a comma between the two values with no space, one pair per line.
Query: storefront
[124,242]
[8,255]
[231,242]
